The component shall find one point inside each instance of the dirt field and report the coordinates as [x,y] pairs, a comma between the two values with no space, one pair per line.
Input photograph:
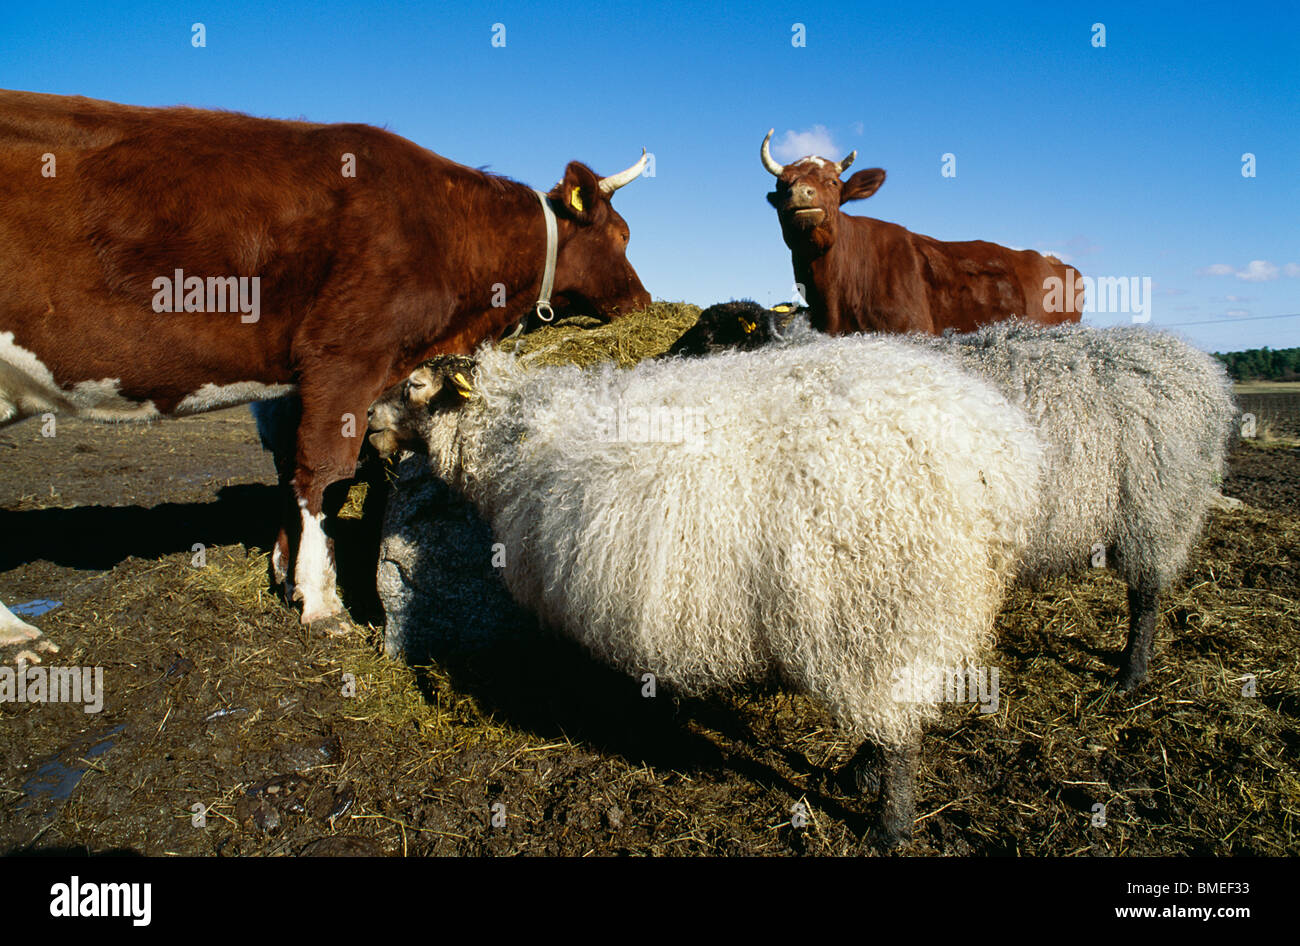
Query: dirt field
[290,743]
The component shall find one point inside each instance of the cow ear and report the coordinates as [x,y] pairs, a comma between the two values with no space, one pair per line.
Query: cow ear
[578,194]
[861,185]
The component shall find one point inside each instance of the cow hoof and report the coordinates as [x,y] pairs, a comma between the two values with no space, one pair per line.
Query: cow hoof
[17,632]
[332,625]
[31,649]
[284,593]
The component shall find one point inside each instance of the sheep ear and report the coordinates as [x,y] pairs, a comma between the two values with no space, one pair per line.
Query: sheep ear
[461,384]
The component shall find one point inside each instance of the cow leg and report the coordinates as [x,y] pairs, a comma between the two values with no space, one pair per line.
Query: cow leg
[277,426]
[1143,607]
[17,633]
[330,435]
[313,570]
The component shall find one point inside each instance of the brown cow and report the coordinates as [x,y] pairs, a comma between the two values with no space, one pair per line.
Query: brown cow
[865,275]
[168,261]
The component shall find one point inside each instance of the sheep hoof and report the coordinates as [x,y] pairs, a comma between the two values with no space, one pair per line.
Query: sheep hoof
[1128,682]
[889,835]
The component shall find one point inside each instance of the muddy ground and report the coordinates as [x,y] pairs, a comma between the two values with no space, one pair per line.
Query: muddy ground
[289,742]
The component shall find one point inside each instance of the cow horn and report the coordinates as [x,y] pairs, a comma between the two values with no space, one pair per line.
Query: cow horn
[772,167]
[612,183]
[844,165]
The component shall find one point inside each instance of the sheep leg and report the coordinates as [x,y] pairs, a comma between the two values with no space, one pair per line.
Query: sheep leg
[1143,606]
[898,768]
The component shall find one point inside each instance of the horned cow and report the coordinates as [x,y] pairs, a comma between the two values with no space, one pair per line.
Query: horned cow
[336,257]
[860,274]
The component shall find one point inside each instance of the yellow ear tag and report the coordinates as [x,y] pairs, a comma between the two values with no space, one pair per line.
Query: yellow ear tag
[463,387]
[781,308]
[575,199]
[748,326]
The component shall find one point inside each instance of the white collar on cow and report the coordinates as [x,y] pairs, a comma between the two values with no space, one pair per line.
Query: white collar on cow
[543,306]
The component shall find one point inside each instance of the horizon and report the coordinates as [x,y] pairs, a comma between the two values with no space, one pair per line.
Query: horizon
[1126,161]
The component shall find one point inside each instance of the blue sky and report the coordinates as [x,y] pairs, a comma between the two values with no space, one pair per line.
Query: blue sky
[1127,158]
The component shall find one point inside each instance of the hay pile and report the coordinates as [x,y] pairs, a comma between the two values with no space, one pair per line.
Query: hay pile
[625,341]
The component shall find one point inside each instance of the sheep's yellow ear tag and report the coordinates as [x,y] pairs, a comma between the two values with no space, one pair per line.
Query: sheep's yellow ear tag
[748,326]
[781,308]
[575,199]
[463,387]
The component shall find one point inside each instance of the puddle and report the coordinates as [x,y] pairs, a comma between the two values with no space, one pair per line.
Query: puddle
[55,780]
[34,609]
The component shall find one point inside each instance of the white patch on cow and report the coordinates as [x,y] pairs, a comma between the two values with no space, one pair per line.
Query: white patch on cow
[100,400]
[27,387]
[279,566]
[213,397]
[812,159]
[313,573]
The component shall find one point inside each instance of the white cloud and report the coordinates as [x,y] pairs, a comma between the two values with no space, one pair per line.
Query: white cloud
[858,128]
[799,144]
[1257,270]
[1236,298]
[1237,313]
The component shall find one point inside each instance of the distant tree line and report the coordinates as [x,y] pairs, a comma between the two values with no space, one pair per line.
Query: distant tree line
[1262,364]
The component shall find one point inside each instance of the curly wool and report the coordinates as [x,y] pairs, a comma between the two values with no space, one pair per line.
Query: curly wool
[1135,424]
[843,515]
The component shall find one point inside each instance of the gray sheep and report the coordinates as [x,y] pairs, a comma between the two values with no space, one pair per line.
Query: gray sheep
[1135,424]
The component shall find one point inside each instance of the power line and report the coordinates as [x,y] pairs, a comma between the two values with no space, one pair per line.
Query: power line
[1244,318]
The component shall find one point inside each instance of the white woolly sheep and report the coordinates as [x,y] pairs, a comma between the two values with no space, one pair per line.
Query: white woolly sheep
[1135,424]
[842,516]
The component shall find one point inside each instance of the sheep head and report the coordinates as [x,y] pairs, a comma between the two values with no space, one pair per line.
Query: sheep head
[403,416]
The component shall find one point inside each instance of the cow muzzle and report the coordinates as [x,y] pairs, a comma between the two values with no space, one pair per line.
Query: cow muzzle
[803,218]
